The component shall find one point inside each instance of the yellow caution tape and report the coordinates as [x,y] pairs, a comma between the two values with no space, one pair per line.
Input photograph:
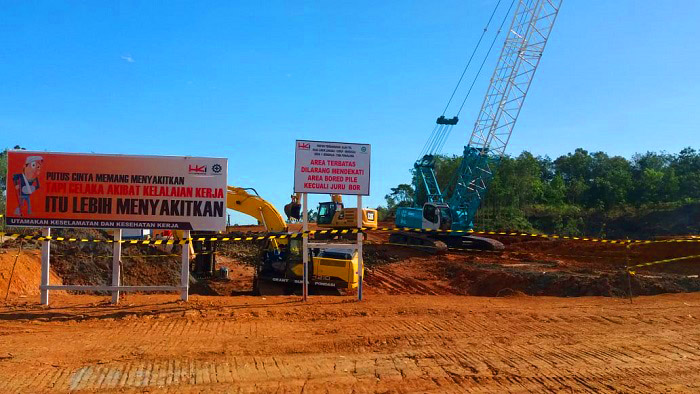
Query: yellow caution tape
[126,256]
[96,240]
[648,242]
[306,234]
[631,268]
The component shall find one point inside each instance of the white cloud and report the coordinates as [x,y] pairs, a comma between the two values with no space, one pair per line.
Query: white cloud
[127,58]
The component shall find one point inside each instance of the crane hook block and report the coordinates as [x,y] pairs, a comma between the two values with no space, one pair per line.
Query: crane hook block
[444,120]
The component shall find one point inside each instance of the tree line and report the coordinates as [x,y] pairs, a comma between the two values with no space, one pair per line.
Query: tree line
[580,192]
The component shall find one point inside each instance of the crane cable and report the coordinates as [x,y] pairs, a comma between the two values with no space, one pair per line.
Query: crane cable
[441,144]
[427,143]
[483,33]
[440,131]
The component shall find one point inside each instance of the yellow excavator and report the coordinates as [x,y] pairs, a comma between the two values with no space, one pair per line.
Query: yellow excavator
[280,269]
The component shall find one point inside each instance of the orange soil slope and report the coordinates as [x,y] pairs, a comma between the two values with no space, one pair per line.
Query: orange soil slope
[27,276]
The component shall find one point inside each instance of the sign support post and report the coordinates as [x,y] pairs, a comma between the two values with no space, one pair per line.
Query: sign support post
[116,264]
[185,268]
[360,260]
[45,266]
[305,246]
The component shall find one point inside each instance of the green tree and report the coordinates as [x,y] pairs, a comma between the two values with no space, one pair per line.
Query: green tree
[574,194]
[671,186]
[400,196]
[687,168]
[575,169]
[382,213]
[554,191]
[650,186]
[611,181]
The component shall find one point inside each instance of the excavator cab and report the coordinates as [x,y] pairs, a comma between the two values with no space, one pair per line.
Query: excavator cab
[326,211]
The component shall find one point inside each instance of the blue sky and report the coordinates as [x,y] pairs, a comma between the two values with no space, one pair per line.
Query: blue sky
[243,80]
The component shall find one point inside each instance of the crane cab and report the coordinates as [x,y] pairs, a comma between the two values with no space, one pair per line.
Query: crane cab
[436,216]
[433,216]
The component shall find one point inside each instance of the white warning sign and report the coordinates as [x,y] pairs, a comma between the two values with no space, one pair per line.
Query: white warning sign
[323,167]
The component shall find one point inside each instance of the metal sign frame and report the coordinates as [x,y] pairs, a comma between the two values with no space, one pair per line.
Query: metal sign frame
[116,286]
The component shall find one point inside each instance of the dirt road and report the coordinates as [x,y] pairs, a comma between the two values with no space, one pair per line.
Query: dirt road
[407,343]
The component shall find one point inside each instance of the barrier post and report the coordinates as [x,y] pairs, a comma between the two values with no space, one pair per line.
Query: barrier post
[305,247]
[45,266]
[116,264]
[360,260]
[185,268]
[627,269]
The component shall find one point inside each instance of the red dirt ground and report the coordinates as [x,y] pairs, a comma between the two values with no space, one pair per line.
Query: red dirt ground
[415,331]
[400,343]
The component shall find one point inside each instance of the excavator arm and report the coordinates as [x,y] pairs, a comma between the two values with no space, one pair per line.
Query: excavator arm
[242,200]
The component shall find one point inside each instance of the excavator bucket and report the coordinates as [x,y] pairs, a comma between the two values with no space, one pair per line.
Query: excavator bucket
[293,210]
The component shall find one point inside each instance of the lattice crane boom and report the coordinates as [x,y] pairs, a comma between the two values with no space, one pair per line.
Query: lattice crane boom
[520,56]
[455,206]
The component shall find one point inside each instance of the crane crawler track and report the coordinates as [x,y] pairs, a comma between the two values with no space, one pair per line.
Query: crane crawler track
[441,243]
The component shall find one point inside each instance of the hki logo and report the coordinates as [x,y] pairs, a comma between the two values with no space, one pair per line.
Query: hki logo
[198,170]
[195,169]
[303,146]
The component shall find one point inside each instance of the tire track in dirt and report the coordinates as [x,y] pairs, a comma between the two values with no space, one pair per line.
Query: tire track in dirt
[430,370]
[439,344]
[385,281]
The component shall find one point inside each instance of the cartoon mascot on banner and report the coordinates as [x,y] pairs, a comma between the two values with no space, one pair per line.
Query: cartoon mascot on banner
[27,183]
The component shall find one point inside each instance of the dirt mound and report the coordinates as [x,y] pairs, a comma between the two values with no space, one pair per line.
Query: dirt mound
[239,281]
[535,266]
[494,280]
[91,264]
[27,273]
[530,266]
